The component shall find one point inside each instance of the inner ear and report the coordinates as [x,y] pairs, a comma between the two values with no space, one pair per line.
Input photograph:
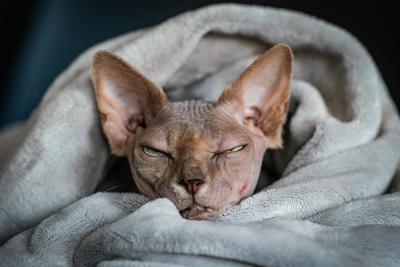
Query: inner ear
[259,97]
[126,99]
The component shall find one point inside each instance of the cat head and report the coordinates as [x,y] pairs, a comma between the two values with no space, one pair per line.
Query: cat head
[203,156]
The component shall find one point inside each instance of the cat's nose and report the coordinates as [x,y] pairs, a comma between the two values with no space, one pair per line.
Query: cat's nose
[192,185]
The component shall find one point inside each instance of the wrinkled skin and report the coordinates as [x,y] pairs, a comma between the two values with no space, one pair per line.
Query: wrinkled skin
[203,156]
[194,143]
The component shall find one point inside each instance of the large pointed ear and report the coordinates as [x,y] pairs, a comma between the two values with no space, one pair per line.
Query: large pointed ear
[259,97]
[125,98]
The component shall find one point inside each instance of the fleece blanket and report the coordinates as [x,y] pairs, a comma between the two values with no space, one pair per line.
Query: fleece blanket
[329,198]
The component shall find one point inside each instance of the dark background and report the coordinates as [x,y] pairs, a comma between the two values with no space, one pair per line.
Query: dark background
[41,38]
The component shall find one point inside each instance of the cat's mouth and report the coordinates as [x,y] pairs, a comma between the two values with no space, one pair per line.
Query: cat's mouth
[200,212]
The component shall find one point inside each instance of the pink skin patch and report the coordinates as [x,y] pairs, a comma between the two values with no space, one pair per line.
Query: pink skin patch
[243,187]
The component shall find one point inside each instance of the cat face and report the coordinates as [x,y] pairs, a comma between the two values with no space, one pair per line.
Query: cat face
[202,160]
[203,156]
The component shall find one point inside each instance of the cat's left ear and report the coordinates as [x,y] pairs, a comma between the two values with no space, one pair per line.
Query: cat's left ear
[126,99]
[259,97]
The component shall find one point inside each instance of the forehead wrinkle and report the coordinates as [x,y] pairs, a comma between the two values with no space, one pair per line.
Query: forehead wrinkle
[187,111]
[192,138]
[227,134]
[172,132]
[155,138]
[187,138]
[197,125]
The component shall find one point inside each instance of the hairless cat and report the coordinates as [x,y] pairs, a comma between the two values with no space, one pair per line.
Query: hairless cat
[203,156]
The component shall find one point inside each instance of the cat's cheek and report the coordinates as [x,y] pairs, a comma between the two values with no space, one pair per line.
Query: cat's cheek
[145,188]
[242,176]
[148,172]
[228,172]
[150,166]
[149,175]
[215,194]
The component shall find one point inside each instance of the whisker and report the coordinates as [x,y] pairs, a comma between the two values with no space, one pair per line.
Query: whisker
[113,187]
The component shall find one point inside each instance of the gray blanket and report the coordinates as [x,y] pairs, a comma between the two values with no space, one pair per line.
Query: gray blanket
[334,204]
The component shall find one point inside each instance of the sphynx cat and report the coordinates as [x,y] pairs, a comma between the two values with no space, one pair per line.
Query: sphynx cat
[203,156]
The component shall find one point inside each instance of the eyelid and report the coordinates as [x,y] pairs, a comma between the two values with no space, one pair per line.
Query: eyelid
[227,151]
[230,150]
[154,149]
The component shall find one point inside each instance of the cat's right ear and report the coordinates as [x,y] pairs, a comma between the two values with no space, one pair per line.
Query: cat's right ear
[126,99]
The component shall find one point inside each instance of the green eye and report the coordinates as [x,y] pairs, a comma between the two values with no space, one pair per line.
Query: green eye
[151,152]
[235,149]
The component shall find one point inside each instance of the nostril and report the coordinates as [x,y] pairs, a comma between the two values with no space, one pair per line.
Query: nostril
[196,181]
[192,185]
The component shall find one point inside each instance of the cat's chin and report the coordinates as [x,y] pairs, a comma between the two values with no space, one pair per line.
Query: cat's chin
[197,212]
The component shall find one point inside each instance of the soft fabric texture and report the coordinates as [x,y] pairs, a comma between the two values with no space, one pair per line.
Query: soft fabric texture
[331,206]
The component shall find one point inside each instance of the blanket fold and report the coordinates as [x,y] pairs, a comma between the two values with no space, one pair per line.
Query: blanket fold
[329,207]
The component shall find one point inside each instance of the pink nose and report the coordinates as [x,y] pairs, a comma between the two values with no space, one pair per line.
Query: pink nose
[192,185]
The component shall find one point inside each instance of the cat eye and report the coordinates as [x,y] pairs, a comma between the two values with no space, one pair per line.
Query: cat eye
[152,152]
[235,149]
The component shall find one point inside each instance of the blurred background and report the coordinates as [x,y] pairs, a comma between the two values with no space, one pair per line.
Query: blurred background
[41,37]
